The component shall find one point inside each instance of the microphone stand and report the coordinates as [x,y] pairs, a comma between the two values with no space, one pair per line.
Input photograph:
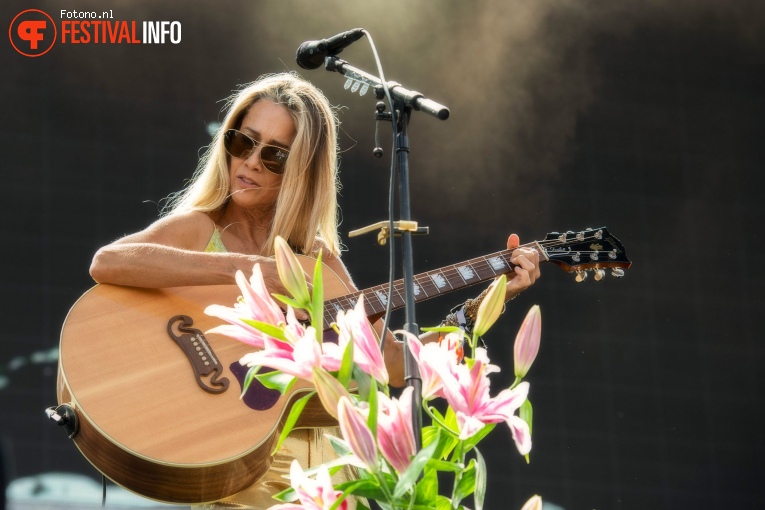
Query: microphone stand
[404,101]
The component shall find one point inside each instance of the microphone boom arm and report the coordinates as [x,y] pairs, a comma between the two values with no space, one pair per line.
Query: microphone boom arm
[412,99]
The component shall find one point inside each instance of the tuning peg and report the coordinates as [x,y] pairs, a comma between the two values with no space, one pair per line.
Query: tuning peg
[617,272]
[599,274]
[580,276]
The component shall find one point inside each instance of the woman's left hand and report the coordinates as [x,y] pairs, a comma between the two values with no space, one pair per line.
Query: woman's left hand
[526,271]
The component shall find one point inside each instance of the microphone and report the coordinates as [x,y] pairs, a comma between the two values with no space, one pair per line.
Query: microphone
[311,54]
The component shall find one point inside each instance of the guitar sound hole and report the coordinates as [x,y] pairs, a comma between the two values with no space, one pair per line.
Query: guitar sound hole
[258,397]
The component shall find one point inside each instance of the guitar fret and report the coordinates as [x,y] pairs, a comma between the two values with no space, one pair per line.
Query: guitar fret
[426,285]
[439,280]
[463,274]
[422,287]
[397,298]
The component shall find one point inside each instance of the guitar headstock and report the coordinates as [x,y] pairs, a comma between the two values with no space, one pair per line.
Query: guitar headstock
[589,250]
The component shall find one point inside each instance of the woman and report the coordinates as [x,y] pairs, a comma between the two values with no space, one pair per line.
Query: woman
[270,170]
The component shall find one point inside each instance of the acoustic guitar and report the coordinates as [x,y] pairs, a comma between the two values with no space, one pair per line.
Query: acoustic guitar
[154,403]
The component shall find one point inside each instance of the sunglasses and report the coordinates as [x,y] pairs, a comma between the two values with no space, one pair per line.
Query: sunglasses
[239,145]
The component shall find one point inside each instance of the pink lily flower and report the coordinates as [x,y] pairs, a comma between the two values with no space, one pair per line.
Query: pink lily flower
[527,340]
[467,392]
[318,494]
[430,356]
[255,304]
[299,361]
[395,435]
[357,434]
[299,355]
[355,327]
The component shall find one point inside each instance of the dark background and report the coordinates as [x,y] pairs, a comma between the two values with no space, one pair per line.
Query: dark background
[645,116]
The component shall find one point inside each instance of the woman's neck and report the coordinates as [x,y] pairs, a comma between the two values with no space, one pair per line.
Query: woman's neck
[248,228]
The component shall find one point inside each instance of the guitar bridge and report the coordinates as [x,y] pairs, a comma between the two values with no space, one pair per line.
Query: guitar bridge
[199,353]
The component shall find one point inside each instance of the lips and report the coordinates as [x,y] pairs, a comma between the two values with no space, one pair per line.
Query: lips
[246,183]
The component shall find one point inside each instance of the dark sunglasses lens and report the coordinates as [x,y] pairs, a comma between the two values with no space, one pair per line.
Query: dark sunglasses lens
[273,158]
[238,144]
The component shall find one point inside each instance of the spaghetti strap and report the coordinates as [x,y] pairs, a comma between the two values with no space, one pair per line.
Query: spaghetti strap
[215,244]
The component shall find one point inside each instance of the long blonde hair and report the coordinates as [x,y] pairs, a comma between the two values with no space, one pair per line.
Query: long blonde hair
[306,206]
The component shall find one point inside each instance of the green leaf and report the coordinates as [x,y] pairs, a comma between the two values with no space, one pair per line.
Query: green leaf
[427,488]
[340,446]
[480,480]
[437,414]
[276,380]
[317,299]
[478,436]
[346,366]
[443,465]
[287,495]
[292,419]
[526,413]
[294,303]
[369,488]
[372,401]
[443,329]
[451,419]
[363,380]
[466,484]
[429,434]
[445,441]
[443,503]
[268,329]
[248,379]
[411,474]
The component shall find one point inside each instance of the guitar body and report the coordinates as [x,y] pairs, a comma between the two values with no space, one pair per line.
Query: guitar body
[157,401]
[145,421]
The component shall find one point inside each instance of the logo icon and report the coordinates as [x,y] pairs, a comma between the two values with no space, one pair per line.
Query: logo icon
[32,33]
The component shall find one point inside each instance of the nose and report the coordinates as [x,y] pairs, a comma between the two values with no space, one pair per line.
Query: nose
[253,160]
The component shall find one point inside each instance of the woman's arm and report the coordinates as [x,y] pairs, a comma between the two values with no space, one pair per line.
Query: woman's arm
[169,253]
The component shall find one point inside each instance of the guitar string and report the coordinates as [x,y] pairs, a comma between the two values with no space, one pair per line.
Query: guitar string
[480,264]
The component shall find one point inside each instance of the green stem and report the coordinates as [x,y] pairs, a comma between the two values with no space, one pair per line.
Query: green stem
[384,487]
[516,382]
[437,420]
[458,476]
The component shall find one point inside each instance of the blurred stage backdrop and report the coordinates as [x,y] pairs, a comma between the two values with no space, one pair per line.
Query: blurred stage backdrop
[645,116]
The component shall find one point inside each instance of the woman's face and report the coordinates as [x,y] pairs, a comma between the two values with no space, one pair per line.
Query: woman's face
[252,185]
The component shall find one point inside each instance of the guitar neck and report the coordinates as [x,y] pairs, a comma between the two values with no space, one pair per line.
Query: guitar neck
[428,285]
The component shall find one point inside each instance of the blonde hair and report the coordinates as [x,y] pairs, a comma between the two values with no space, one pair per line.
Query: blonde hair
[306,206]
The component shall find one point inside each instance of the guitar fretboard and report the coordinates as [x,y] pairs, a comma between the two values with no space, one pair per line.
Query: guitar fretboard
[426,285]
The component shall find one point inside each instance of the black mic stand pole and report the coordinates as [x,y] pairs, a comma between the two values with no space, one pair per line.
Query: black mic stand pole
[411,370]
[403,102]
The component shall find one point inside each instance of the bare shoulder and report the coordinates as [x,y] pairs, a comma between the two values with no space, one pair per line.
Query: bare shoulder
[188,230]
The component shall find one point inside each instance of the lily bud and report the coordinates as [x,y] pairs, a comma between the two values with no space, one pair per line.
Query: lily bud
[329,390]
[291,272]
[491,306]
[534,503]
[356,433]
[527,341]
